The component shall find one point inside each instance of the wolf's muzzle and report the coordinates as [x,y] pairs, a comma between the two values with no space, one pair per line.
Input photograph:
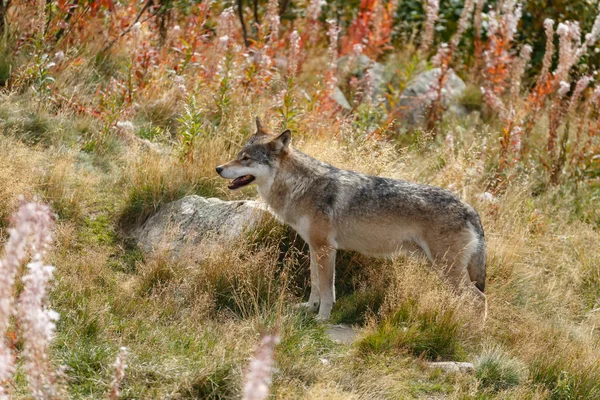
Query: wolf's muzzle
[219,170]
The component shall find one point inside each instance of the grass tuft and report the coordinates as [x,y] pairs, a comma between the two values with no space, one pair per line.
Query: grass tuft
[496,371]
[86,360]
[220,384]
[432,334]
[356,307]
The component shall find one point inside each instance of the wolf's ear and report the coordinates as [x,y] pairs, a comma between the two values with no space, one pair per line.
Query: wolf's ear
[260,128]
[281,142]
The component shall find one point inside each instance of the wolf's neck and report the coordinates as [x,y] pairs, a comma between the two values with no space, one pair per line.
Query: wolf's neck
[293,179]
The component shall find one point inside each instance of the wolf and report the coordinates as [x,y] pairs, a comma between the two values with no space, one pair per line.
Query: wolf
[332,208]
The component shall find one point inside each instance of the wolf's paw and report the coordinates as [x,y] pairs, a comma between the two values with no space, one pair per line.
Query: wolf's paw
[322,318]
[309,306]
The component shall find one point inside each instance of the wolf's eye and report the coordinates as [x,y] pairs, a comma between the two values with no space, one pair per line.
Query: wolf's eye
[245,157]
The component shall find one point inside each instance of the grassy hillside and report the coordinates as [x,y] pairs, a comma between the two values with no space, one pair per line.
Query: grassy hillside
[108,135]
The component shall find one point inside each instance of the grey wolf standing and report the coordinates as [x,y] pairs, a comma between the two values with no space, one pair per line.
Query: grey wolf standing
[335,209]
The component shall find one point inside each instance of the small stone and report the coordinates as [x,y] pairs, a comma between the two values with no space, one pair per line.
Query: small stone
[453,366]
[487,197]
[343,334]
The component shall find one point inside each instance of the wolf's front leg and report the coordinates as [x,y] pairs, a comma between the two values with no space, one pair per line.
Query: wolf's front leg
[325,257]
[312,304]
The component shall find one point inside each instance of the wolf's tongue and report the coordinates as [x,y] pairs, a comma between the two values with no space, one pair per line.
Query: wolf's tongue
[241,181]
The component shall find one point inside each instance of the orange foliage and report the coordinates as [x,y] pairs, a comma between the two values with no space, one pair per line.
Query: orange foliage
[372,28]
[499,61]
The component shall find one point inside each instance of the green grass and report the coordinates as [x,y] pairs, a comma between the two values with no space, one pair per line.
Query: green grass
[496,371]
[354,308]
[472,99]
[303,344]
[221,383]
[150,132]
[5,67]
[87,360]
[434,335]
[191,328]
[565,377]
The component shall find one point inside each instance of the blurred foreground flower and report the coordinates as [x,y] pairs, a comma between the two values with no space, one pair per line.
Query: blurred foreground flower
[120,366]
[30,234]
[260,370]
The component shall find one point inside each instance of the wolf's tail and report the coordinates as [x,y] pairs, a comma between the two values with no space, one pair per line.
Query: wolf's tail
[476,266]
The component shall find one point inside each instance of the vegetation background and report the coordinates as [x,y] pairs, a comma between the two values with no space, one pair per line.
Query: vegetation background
[110,109]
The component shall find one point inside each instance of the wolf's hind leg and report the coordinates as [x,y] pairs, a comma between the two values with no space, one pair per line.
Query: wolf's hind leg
[453,253]
[458,277]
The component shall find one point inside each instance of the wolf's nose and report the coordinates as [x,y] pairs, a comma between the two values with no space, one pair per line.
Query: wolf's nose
[219,169]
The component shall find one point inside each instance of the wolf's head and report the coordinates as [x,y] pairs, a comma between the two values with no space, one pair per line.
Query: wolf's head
[258,159]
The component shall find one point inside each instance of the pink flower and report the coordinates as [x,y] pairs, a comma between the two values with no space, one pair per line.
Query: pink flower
[564,88]
[431,16]
[313,10]
[294,53]
[258,376]
[226,23]
[449,142]
[135,29]
[32,227]
[581,85]
[272,19]
[463,23]
[549,53]
[515,140]
[569,38]
[494,102]
[120,366]
[519,69]
[332,33]
[357,49]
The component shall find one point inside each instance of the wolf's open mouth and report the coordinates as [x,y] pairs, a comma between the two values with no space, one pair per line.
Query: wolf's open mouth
[241,181]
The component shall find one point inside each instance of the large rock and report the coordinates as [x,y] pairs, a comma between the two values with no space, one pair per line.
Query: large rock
[418,96]
[198,223]
[340,99]
[357,66]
